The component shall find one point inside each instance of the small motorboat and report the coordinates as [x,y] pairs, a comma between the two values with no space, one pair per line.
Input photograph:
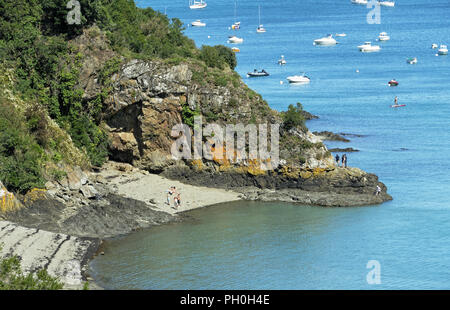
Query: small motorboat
[434,45]
[260,29]
[297,79]
[328,40]
[198,23]
[236,26]
[393,82]
[443,50]
[387,3]
[257,73]
[282,61]
[363,2]
[194,5]
[384,37]
[340,35]
[412,61]
[367,47]
[235,40]
[398,105]
[235,49]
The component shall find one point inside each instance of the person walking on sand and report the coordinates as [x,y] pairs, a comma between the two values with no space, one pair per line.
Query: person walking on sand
[178,200]
[344,161]
[337,159]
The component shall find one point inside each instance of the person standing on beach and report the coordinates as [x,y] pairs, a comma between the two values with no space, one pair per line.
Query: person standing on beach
[344,160]
[169,193]
[337,159]
[378,190]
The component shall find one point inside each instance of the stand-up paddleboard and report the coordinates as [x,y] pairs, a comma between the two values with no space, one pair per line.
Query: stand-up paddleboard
[398,105]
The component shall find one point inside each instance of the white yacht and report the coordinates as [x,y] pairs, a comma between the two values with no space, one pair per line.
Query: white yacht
[434,45]
[282,61]
[194,5]
[298,79]
[387,3]
[384,37]
[443,50]
[328,40]
[235,40]
[198,23]
[367,47]
[260,28]
[340,35]
[363,2]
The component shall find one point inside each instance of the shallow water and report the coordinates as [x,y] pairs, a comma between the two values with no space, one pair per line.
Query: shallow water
[275,245]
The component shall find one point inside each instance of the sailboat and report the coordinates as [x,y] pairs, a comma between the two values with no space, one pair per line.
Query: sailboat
[193,5]
[260,28]
[236,25]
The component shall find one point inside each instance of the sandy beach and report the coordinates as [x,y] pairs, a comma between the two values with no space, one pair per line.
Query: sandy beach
[152,188]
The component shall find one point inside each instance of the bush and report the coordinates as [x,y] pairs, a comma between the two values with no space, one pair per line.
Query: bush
[20,155]
[293,117]
[218,56]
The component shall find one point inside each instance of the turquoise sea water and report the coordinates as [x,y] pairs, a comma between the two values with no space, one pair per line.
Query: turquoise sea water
[283,246]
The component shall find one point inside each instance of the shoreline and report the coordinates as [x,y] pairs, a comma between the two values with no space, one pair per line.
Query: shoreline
[133,199]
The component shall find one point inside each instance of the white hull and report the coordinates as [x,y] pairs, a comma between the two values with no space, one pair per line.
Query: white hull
[370,49]
[325,41]
[362,2]
[412,61]
[384,38]
[197,5]
[443,50]
[297,79]
[387,3]
[198,24]
[235,40]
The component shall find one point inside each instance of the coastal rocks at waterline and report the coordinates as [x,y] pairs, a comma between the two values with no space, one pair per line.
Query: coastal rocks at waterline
[330,136]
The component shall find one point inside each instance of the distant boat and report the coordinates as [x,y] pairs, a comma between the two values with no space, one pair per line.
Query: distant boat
[398,105]
[434,45]
[367,47]
[235,40]
[328,40]
[257,73]
[387,3]
[282,61]
[235,49]
[393,82]
[236,25]
[363,2]
[443,50]
[412,61]
[340,35]
[198,23]
[193,5]
[301,79]
[384,37]
[260,28]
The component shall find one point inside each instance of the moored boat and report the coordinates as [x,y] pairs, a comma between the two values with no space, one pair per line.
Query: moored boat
[367,47]
[257,73]
[443,50]
[387,3]
[282,61]
[198,23]
[412,61]
[235,49]
[300,79]
[194,5]
[393,82]
[384,37]
[328,40]
[235,40]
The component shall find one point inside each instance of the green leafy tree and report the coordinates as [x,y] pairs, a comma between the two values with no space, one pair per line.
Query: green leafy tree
[293,117]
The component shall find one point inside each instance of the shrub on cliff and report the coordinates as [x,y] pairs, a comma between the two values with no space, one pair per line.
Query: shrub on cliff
[218,56]
[293,117]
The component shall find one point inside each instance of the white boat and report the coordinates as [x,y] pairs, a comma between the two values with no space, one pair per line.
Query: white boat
[328,40]
[367,47]
[235,40]
[236,25]
[340,35]
[434,45]
[194,5]
[387,3]
[384,37]
[260,28]
[298,79]
[443,50]
[412,61]
[363,2]
[282,61]
[198,23]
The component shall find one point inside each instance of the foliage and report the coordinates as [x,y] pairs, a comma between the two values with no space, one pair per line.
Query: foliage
[12,277]
[188,115]
[218,56]
[293,117]
[20,155]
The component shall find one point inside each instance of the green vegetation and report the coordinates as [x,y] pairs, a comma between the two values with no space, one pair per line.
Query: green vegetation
[293,117]
[218,56]
[188,115]
[12,277]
